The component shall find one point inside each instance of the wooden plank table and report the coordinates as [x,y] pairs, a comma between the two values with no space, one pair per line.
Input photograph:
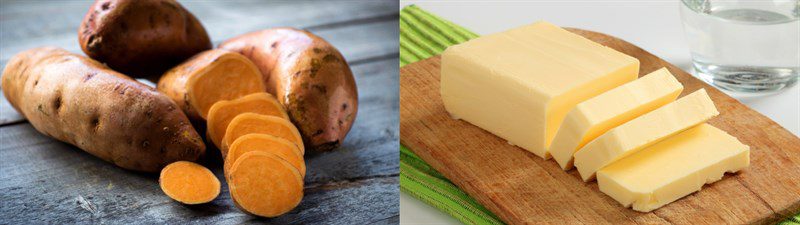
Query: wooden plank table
[47,181]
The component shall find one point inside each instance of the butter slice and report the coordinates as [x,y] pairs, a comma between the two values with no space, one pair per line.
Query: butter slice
[595,116]
[519,84]
[673,168]
[630,137]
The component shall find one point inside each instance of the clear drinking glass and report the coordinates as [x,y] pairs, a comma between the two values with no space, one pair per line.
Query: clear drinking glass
[744,46]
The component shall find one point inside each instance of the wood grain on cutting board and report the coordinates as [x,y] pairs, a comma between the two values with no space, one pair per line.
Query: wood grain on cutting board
[521,188]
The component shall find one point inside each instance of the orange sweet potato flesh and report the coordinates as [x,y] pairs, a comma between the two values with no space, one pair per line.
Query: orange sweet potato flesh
[263,184]
[252,123]
[189,183]
[221,113]
[211,76]
[309,76]
[282,148]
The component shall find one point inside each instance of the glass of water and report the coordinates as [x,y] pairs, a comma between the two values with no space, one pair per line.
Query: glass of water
[744,46]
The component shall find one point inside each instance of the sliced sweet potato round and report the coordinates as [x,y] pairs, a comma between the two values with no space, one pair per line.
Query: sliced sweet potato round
[189,183]
[284,149]
[252,123]
[209,77]
[263,184]
[221,113]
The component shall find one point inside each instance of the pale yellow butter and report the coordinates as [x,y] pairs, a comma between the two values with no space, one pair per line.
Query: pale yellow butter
[634,135]
[595,116]
[673,168]
[519,84]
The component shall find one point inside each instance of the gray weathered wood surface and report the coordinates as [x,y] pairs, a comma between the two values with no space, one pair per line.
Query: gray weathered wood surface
[46,181]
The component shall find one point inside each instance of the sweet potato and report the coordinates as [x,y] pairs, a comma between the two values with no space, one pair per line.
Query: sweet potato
[221,113]
[209,77]
[309,77]
[263,184]
[189,183]
[79,101]
[141,37]
[282,148]
[251,123]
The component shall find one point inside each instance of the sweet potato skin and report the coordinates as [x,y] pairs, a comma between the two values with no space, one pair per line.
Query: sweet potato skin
[309,77]
[141,38]
[79,101]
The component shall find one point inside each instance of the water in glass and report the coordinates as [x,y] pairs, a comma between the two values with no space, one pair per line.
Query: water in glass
[744,46]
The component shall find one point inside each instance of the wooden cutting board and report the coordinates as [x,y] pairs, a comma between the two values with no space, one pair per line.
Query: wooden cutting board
[521,188]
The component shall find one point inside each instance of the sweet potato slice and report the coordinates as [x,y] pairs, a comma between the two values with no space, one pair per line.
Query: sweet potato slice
[189,183]
[263,184]
[252,123]
[222,112]
[209,77]
[282,148]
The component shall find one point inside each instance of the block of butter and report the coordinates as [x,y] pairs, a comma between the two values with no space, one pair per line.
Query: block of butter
[652,127]
[673,168]
[519,84]
[595,116]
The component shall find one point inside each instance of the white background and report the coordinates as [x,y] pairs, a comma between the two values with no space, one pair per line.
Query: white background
[652,25]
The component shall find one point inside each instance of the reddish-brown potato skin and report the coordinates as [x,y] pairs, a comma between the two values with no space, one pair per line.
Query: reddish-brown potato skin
[80,101]
[309,77]
[141,38]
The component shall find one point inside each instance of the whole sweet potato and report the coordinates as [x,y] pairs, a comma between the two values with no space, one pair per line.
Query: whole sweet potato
[141,37]
[309,77]
[79,101]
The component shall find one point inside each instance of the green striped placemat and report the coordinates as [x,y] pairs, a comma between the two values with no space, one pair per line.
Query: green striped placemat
[424,35]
